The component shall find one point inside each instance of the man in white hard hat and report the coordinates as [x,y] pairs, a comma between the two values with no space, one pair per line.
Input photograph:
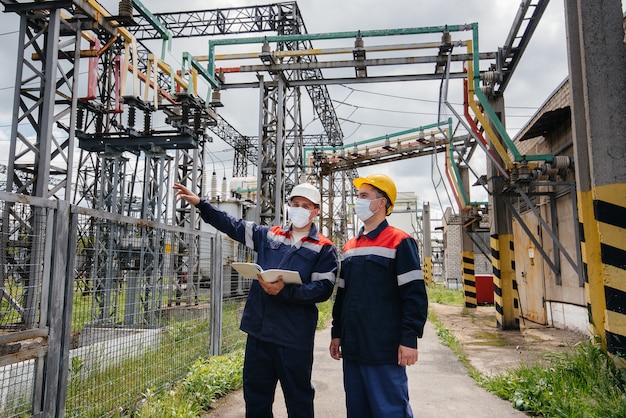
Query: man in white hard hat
[279,318]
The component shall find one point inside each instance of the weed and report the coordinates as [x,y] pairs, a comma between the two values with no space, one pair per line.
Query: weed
[582,383]
[325,313]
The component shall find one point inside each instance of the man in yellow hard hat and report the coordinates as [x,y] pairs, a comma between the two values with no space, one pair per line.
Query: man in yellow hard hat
[380,308]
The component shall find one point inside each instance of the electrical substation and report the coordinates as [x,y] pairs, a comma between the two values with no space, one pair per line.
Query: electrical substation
[104,123]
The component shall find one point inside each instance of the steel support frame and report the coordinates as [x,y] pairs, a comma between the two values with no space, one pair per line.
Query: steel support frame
[157,169]
[188,165]
[336,187]
[100,115]
[270,183]
[108,238]
[575,261]
[41,150]
[44,96]
[217,292]
[203,23]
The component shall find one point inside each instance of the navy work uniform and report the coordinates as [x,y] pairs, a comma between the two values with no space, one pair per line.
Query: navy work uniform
[381,303]
[280,328]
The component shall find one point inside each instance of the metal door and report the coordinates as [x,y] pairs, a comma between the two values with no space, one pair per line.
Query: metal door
[529,271]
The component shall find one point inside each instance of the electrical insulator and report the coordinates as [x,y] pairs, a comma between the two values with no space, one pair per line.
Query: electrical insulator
[216,99]
[562,161]
[131,116]
[446,38]
[147,122]
[266,49]
[196,121]
[125,9]
[184,120]
[213,192]
[524,173]
[358,43]
[224,188]
[80,118]
[99,123]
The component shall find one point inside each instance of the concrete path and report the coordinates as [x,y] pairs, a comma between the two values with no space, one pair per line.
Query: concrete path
[439,386]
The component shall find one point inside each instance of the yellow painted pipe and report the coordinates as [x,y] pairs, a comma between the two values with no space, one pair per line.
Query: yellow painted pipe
[491,135]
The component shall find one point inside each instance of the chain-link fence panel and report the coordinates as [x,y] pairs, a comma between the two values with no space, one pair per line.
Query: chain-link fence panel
[99,309]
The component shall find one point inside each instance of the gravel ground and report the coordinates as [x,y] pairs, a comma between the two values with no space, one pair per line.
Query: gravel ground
[492,350]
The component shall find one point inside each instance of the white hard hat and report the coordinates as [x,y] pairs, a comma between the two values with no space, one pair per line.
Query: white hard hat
[306,190]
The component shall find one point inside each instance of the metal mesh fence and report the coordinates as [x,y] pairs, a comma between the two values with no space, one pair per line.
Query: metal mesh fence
[24,248]
[143,302]
[235,291]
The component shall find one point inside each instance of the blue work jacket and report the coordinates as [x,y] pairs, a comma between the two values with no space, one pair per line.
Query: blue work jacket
[381,300]
[290,317]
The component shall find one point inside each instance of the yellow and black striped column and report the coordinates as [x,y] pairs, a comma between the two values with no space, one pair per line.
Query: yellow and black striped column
[506,298]
[610,217]
[428,252]
[469,279]
[592,265]
[428,270]
[467,263]
[597,59]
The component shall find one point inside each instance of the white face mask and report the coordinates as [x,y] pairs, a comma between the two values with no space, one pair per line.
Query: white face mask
[362,208]
[299,217]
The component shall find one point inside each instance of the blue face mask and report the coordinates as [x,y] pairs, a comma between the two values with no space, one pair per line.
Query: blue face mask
[300,217]
[362,208]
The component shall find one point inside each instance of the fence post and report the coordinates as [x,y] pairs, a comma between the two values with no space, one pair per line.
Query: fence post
[217,294]
[60,311]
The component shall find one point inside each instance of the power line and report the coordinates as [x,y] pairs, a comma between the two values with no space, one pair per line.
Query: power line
[376,125]
[421,100]
[384,110]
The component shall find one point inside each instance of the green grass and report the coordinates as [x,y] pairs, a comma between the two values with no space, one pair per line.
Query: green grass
[449,339]
[112,385]
[438,293]
[208,380]
[232,338]
[583,383]
[325,313]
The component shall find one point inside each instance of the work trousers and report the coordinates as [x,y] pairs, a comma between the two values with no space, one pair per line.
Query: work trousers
[376,391]
[267,363]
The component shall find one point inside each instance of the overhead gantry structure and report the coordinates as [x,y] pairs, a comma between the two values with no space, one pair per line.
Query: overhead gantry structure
[104,117]
[359,58]
[512,176]
[128,86]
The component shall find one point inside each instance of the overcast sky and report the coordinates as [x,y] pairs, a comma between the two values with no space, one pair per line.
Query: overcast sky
[371,110]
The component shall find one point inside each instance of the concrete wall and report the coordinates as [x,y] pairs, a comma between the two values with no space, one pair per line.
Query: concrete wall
[453,239]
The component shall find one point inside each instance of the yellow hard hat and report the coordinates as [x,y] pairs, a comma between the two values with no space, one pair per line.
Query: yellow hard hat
[381,182]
